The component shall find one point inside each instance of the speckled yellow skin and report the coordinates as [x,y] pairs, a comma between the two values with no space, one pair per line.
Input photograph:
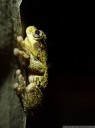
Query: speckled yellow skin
[33,56]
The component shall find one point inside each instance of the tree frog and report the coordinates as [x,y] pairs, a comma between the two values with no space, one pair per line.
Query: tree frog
[32,54]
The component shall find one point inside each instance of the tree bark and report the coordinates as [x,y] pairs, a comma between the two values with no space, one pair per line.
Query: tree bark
[11,113]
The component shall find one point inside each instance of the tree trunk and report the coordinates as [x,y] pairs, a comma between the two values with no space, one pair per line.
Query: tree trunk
[11,113]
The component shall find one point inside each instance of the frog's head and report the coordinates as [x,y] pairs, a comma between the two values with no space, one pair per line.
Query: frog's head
[34,34]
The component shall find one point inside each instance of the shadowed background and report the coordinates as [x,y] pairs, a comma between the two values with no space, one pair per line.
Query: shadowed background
[71,57]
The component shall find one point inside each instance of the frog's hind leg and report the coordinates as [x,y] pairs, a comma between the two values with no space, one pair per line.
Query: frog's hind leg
[20,84]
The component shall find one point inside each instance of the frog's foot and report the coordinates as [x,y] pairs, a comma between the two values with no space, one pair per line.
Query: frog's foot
[20,53]
[32,98]
[20,85]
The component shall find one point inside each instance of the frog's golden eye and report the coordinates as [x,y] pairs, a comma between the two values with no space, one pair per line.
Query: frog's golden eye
[38,34]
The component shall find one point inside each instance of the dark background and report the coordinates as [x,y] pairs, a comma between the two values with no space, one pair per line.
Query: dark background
[70,34]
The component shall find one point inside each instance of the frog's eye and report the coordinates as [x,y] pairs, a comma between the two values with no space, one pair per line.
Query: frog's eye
[38,34]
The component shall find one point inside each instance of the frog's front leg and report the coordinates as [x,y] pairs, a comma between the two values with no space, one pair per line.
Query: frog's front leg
[20,53]
[23,57]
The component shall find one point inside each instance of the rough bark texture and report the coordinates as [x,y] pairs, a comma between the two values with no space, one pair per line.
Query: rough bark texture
[11,113]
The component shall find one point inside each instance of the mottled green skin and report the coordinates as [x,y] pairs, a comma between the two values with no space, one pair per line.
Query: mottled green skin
[32,54]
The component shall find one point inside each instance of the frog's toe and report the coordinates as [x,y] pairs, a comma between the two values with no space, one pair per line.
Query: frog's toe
[15,86]
[18,72]
[16,51]
[19,39]
[18,88]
